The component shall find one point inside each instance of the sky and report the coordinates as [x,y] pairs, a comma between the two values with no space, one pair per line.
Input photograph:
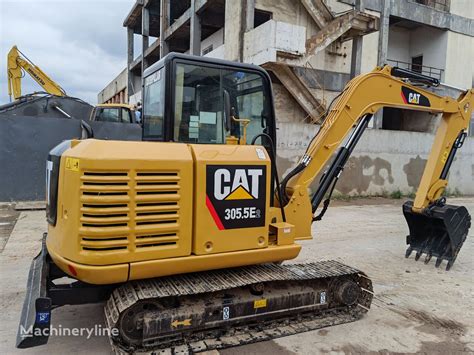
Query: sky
[80,44]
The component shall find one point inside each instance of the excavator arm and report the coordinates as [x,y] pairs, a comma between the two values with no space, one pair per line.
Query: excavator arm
[362,98]
[17,64]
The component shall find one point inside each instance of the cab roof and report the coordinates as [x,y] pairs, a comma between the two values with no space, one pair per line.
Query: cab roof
[130,107]
[199,59]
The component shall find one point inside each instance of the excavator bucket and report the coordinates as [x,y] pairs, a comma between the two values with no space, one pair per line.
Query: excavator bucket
[439,232]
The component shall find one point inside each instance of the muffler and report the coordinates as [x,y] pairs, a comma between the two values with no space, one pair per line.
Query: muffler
[439,231]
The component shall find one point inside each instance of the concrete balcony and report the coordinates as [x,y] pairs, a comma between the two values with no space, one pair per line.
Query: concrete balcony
[218,53]
[284,48]
[270,45]
[273,40]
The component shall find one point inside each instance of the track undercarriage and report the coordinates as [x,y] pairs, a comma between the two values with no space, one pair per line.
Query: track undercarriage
[223,308]
[206,310]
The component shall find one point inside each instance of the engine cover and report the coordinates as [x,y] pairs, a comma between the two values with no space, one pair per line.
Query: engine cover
[232,194]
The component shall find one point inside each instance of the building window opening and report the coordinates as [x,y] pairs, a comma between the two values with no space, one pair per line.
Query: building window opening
[261,17]
[417,64]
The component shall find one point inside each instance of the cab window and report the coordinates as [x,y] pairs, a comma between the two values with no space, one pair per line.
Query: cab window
[153,106]
[126,117]
[112,114]
[107,114]
[250,103]
[199,114]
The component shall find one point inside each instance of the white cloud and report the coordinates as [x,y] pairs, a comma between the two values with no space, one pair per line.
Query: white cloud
[80,44]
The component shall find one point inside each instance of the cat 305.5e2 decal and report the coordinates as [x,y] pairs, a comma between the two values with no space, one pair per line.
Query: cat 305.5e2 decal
[235,195]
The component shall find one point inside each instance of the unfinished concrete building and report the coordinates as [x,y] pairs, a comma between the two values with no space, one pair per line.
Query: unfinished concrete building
[311,49]
[304,45]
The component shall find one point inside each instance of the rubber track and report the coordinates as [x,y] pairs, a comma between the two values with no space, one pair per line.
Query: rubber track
[217,280]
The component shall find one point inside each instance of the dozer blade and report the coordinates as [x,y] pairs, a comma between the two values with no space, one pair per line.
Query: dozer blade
[439,232]
[35,317]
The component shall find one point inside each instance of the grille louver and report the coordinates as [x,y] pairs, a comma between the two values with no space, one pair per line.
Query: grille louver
[129,210]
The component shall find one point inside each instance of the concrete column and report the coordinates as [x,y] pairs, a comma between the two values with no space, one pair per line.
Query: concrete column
[164,23]
[233,29]
[195,31]
[130,55]
[383,49]
[383,33]
[145,43]
[145,34]
[250,15]
[356,58]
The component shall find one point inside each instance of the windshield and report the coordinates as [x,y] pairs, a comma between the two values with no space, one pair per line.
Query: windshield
[112,114]
[199,104]
[106,114]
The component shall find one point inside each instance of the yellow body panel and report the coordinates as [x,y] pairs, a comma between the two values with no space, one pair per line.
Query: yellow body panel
[133,210]
[124,202]
[109,274]
[101,275]
[208,238]
[193,263]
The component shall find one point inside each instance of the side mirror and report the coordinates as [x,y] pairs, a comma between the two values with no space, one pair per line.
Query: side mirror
[227,111]
[86,129]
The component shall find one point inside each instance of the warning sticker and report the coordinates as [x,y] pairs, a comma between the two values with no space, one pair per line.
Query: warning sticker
[260,303]
[72,164]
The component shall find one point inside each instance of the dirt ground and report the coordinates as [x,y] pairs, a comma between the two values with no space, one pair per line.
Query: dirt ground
[417,308]
[8,218]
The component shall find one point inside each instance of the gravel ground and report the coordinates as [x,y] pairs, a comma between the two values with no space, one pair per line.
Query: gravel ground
[417,308]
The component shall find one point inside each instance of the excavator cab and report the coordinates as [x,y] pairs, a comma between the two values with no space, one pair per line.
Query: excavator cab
[117,113]
[208,101]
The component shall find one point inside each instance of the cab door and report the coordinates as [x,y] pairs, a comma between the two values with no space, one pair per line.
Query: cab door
[199,112]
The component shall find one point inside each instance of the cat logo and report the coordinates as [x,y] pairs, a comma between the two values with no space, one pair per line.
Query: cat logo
[413,98]
[236,195]
[243,185]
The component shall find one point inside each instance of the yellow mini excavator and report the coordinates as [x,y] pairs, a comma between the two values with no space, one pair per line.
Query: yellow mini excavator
[183,234]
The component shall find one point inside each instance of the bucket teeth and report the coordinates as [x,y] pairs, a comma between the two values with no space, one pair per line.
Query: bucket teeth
[428,258]
[439,232]
[450,263]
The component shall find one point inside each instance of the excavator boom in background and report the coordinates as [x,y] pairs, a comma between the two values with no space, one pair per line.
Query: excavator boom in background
[18,64]
[183,234]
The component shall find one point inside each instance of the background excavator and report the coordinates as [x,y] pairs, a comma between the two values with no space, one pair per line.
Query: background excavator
[183,236]
[18,64]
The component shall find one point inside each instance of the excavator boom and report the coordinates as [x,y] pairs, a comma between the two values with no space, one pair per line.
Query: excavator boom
[17,64]
[435,228]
